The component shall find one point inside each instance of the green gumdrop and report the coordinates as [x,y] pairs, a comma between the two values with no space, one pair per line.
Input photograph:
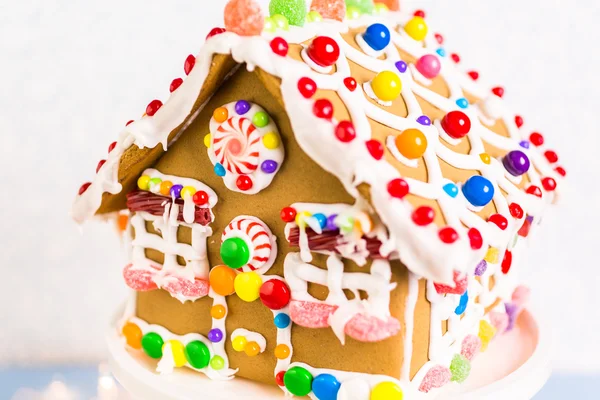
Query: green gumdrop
[365,6]
[298,381]
[293,10]
[460,368]
[235,252]
[197,354]
[152,344]
[260,119]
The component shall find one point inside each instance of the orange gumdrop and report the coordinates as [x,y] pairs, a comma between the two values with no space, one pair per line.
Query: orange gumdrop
[392,5]
[411,143]
[331,9]
[221,280]
[244,17]
[133,335]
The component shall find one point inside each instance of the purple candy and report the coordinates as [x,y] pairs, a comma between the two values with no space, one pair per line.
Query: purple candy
[176,191]
[512,310]
[331,222]
[529,218]
[269,166]
[516,163]
[242,107]
[481,268]
[401,65]
[524,144]
[424,120]
[215,335]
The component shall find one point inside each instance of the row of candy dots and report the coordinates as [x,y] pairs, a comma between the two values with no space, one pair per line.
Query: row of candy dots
[300,382]
[240,343]
[167,188]
[331,222]
[195,353]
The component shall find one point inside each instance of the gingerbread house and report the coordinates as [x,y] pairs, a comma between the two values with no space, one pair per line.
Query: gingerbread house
[328,201]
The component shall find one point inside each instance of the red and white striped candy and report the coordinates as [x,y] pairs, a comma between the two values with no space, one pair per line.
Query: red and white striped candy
[261,240]
[236,143]
[142,280]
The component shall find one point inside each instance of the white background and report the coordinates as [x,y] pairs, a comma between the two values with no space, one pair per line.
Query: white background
[73,72]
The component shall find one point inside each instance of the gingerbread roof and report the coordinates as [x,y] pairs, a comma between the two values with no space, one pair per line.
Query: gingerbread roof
[388,117]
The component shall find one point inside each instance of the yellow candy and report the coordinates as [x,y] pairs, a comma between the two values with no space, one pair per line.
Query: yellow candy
[485,157]
[492,255]
[187,191]
[416,28]
[239,343]
[165,187]
[314,16]
[282,351]
[252,349]
[271,140]
[387,391]
[386,85]
[247,286]
[352,12]
[218,311]
[381,8]
[207,139]
[269,25]
[486,333]
[143,182]
[178,351]
[301,218]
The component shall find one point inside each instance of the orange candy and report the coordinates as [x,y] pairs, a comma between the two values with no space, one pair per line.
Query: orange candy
[220,114]
[122,221]
[133,335]
[221,280]
[411,143]
[165,187]
[244,17]
[252,349]
[331,9]
[282,351]
[218,311]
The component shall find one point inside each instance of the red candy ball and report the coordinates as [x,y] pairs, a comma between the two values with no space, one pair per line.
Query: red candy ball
[419,13]
[498,91]
[324,51]
[279,46]
[534,190]
[200,198]
[439,38]
[519,121]
[288,214]
[506,262]
[323,109]
[244,182]
[549,184]
[307,87]
[275,294]
[561,171]
[350,83]
[423,215]
[474,75]
[215,32]
[279,378]
[345,131]
[475,238]
[516,210]
[536,139]
[189,63]
[112,146]
[455,57]
[175,84]
[84,187]
[551,156]
[448,235]
[397,188]
[499,220]
[456,124]
[375,148]
[153,107]
[100,164]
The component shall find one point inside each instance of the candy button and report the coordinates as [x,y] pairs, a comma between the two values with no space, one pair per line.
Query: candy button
[187,192]
[143,182]
[133,335]
[387,391]
[326,387]
[322,219]
[219,311]
[386,85]
[178,352]
[451,189]
[324,51]
[220,114]
[260,119]
[282,351]
[247,286]
[429,66]
[456,124]
[516,162]
[298,381]
[221,280]
[239,343]
[377,36]
[217,363]
[235,252]
[271,141]
[416,28]
[478,190]
[197,354]
[282,321]
[275,294]
[175,191]
[152,343]
[411,143]
[215,335]
[252,349]
[219,170]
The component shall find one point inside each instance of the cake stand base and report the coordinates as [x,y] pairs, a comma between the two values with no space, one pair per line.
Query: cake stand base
[515,366]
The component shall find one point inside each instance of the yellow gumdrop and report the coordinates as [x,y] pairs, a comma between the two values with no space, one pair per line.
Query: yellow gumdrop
[247,286]
[387,85]
[178,351]
[143,182]
[485,157]
[207,139]
[387,391]
[271,140]
[416,28]
[486,333]
[492,255]
[301,218]
[187,191]
[239,343]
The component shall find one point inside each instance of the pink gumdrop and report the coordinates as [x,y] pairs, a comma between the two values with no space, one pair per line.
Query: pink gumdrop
[499,321]
[331,9]
[244,17]
[429,66]
[436,377]
[460,285]
[470,346]
[371,329]
[139,279]
[310,314]
[192,289]
[520,296]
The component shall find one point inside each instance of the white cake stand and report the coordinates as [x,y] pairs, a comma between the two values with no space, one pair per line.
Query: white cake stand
[515,367]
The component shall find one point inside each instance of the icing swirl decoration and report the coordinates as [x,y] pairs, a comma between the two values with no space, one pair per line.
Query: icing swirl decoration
[244,146]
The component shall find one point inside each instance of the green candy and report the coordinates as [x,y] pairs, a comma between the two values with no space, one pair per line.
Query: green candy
[365,6]
[197,354]
[298,381]
[293,10]
[280,22]
[460,368]
[260,119]
[217,363]
[152,344]
[235,252]
[314,16]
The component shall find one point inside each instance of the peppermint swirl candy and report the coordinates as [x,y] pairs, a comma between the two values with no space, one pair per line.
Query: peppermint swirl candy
[236,144]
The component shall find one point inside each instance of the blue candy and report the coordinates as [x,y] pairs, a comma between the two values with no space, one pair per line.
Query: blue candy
[462,103]
[451,189]
[322,220]
[441,52]
[219,169]
[282,320]
[326,387]
[462,305]
[478,190]
[377,36]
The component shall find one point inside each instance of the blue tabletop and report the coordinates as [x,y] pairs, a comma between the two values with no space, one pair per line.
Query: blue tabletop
[93,382]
